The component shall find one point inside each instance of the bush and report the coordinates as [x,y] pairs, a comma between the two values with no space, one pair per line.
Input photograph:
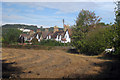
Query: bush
[50,43]
[35,41]
[95,42]
[47,42]
[10,35]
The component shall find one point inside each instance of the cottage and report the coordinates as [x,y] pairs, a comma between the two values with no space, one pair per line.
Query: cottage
[67,37]
[57,35]
[38,36]
[63,36]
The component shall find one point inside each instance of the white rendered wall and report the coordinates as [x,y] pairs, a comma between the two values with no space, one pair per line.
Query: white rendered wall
[67,37]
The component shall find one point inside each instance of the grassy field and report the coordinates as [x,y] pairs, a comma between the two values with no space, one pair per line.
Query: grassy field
[30,63]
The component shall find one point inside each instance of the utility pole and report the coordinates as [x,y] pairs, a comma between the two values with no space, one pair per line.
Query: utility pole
[63,27]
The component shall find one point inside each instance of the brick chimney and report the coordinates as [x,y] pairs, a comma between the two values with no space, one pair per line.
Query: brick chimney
[38,30]
[56,29]
[46,29]
[66,27]
[31,32]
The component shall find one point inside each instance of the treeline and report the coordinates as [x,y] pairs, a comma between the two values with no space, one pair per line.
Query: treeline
[32,27]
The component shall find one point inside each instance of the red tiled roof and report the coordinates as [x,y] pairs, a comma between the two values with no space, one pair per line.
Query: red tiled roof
[44,34]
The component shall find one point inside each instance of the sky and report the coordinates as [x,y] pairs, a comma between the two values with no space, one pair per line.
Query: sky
[50,14]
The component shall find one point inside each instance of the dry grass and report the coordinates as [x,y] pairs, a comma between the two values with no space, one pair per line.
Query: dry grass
[54,64]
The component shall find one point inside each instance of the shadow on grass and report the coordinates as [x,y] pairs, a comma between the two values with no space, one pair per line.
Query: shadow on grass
[72,51]
[8,71]
[109,70]
[75,51]
[109,57]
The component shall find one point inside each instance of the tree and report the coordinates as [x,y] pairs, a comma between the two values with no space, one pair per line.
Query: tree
[10,35]
[90,36]
[86,21]
[95,42]
[117,30]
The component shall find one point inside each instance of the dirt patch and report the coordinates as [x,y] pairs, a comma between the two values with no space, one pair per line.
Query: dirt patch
[58,64]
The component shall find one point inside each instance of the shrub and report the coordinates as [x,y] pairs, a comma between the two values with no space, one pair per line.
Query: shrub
[97,41]
[50,43]
[35,41]
[10,35]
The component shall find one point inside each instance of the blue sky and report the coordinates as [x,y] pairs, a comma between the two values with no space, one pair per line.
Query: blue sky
[51,13]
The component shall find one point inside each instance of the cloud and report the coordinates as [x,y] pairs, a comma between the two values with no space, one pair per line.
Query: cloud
[59,0]
[106,11]
[68,7]
[0,13]
[27,12]
[34,19]
[13,17]
[62,7]
[65,7]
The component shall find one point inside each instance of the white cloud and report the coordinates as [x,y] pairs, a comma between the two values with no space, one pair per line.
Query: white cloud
[59,0]
[69,7]
[105,11]
[34,19]
[0,14]
[12,17]
[66,7]
[62,7]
